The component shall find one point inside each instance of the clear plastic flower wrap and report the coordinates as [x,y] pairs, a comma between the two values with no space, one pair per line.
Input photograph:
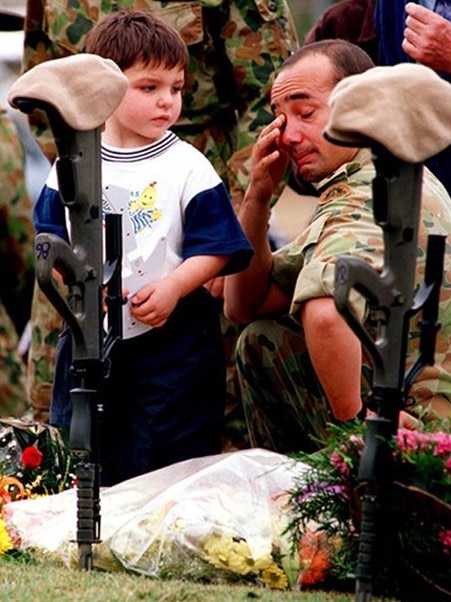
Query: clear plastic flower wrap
[215,519]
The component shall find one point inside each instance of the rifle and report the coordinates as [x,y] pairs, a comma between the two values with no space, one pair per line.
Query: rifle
[392,302]
[80,264]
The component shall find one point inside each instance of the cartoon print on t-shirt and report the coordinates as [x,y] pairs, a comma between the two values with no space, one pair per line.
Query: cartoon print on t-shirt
[142,208]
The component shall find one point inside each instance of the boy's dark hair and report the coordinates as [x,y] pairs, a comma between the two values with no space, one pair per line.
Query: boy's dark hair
[346,58]
[131,36]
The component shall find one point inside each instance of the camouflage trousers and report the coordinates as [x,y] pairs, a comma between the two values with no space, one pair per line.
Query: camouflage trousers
[13,395]
[46,325]
[284,404]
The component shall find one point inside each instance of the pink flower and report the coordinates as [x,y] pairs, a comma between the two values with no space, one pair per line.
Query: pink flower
[339,463]
[442,443]
[410,441]
[31,457]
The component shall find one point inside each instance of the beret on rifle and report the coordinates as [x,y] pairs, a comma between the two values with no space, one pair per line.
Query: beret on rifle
[84,88]
[405,108]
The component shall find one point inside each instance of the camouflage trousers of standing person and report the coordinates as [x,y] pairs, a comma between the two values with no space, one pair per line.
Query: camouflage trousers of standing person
[46,325]
[284,404]
[13,396]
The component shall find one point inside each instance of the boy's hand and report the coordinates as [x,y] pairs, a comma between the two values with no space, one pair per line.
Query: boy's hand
[155,302]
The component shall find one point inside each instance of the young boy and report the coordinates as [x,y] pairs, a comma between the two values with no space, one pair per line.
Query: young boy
[164,398]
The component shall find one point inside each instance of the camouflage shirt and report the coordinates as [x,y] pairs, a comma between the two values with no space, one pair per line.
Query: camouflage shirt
[235,48]
[16,227]
[343,223]
[16,267]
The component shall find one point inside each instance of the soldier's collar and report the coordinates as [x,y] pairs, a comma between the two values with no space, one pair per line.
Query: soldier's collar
[346,170]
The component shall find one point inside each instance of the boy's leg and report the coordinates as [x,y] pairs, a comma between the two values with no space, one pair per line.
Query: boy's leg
[169,405]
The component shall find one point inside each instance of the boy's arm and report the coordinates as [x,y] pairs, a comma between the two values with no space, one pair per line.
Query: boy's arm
[154,303]
[196,271]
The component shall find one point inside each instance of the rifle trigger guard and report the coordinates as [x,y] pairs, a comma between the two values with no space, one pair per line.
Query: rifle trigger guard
[52,252]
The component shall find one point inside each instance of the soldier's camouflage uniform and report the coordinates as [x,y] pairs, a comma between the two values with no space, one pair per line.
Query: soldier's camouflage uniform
[16,268]
[235,48]
[283,400]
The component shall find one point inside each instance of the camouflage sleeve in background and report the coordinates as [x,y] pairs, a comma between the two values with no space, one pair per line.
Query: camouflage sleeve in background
[16,267]
[257,42]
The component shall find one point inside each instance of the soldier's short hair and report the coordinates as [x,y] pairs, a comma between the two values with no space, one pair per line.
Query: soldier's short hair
[346,58]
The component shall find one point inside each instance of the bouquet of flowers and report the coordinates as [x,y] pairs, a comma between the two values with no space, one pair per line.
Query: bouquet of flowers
[326,502]
[34,461]
[215,519]
[224,523]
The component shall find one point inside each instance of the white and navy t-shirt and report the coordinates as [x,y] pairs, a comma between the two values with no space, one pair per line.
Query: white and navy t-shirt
[173,206]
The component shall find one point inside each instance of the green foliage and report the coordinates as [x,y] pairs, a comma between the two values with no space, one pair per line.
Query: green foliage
[326,499]
[322,496]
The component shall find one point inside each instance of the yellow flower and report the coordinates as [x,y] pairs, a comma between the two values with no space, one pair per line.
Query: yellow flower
[5,540]
[240,560]
[218,548]
[274,577]
[263,562]
[224,551]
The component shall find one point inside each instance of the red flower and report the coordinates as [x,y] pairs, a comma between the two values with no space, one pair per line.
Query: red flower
[31,457]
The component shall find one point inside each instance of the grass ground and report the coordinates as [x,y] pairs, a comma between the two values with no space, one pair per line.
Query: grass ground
[41,582]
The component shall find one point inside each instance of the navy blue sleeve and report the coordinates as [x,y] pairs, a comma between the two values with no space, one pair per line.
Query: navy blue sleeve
[390,20]
[212,228]
[48,214]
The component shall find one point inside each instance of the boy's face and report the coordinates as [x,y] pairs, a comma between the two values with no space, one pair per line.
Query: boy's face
[151,105]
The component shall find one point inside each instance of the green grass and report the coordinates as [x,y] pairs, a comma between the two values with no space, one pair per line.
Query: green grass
[43,582]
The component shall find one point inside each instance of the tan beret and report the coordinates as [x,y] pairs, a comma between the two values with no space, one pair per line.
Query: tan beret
[84,88]
[405,108]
